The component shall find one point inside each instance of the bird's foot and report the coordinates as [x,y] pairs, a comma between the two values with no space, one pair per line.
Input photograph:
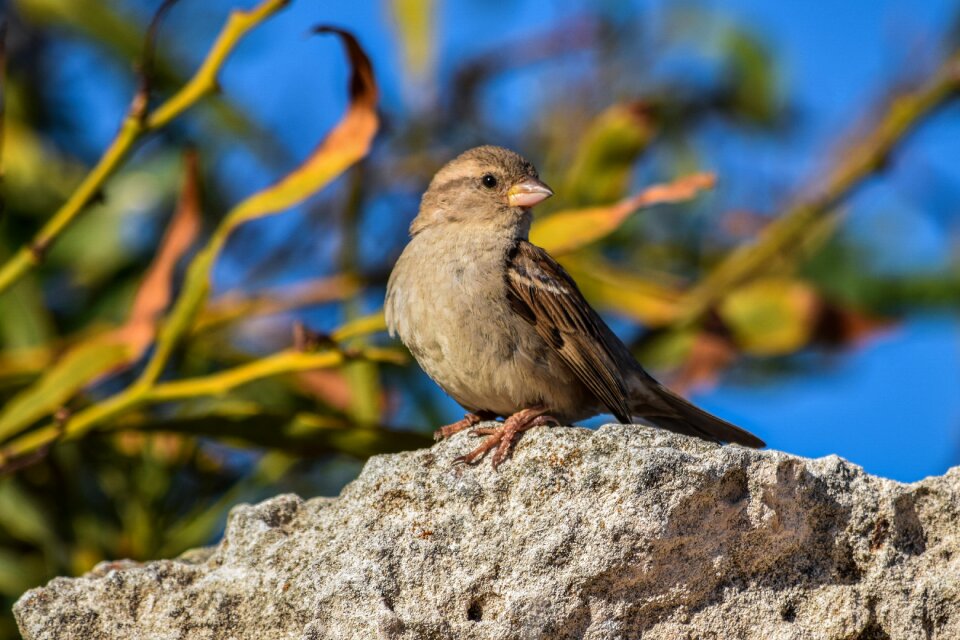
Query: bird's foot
[503,436]
[468,421]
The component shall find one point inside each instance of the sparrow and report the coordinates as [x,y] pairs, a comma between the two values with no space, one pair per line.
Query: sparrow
[503,329]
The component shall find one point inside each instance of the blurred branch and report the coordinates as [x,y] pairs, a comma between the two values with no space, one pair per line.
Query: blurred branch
[133,128]
[276,364]
[785,235]
[136,396]
[109,26]
[114,350]
[226,309]
[360,326]
[576,35]
[204,81]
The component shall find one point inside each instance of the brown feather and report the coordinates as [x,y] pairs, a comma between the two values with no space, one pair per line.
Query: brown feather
[541,292]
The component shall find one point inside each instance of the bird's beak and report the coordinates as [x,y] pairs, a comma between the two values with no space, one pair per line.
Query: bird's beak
[528,193]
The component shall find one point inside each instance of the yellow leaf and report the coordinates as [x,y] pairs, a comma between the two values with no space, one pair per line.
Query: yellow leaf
[771,316]
[567,231]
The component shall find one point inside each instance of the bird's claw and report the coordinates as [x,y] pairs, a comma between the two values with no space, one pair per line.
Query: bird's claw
[503,436]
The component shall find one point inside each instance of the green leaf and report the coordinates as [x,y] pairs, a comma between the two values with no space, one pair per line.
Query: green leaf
[24,318]
[604,162]
[21,517]
[753,76]
[20,571]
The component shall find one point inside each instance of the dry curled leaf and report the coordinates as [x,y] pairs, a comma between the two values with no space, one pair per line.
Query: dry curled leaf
[347,143]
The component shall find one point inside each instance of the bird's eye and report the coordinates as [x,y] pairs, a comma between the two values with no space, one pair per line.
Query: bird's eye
[489,181]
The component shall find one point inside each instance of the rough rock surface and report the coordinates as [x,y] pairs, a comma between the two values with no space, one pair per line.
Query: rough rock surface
[618,533]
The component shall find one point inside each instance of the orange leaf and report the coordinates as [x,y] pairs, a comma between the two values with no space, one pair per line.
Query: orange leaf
[567,231]
[329,385]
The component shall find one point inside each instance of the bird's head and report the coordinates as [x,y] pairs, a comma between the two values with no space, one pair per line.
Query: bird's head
[486,185]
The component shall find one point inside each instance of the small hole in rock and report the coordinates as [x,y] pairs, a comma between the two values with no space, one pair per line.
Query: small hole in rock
[788,613]
[475,612]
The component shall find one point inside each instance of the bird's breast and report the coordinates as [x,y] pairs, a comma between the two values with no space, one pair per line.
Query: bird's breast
[447,301]
[443,289]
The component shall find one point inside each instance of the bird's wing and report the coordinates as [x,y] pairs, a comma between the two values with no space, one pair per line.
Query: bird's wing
[544,294]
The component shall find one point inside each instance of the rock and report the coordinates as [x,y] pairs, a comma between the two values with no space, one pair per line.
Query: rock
[616,533]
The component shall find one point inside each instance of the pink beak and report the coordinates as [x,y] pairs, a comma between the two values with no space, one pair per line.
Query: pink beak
[528,193]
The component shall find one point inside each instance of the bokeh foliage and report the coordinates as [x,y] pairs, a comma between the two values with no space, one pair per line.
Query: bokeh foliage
[142,397]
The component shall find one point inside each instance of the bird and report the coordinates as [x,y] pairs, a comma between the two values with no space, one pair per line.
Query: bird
[503,329]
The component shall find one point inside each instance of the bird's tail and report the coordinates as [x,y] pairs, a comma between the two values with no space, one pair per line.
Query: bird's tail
[669,411]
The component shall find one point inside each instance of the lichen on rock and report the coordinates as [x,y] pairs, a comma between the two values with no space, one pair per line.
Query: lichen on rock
[626,531]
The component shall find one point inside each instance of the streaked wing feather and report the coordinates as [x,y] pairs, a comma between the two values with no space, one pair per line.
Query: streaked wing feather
[543,294]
